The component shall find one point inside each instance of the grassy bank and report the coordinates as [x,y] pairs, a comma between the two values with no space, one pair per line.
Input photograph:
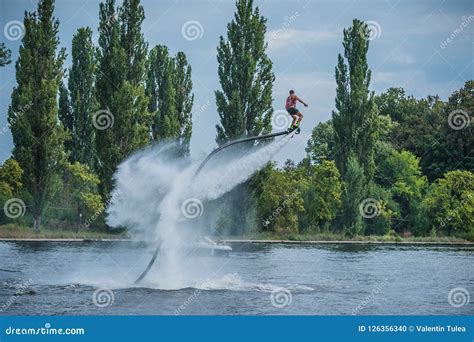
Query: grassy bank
[341,237]
[11,231]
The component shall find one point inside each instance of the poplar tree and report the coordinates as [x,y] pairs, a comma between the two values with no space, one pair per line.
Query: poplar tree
[244,102]
[355,121]
[161,94]
[184,99]
[82,93]
[169,89]
[33,115]
[66,118]
[245,73]
[120,87]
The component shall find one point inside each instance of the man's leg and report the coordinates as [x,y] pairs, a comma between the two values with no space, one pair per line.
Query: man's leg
[295,119]
[299,118]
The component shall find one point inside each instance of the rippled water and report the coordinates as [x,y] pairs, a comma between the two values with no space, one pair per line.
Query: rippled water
[62,278]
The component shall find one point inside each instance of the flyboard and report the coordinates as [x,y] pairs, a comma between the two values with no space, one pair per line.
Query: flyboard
[204,162]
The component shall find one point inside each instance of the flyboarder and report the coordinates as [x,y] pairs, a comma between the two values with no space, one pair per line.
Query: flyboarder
[293,111]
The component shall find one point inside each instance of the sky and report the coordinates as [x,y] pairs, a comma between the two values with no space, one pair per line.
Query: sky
[424,46]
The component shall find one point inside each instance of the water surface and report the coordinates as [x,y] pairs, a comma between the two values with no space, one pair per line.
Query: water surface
[57,278]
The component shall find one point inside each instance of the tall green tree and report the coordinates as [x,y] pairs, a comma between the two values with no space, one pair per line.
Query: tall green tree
[356,119]
[184,99]
[244,102]
[245,73]
[83,100]
[33,114]
[5,55]
[120,88]
[169,89]
[161,94]
[352,195]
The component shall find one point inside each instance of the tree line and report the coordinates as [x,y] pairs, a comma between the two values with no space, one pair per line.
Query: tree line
[119,97]
[383,164]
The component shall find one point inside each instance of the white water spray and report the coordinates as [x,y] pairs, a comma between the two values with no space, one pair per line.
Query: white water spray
[150,196]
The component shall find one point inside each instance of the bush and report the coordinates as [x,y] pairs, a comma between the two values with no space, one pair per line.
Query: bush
[449,205]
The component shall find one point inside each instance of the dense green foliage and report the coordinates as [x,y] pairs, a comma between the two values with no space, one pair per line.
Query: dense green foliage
[82,98]
[33,114]
[169,90]
[4,55]
[450,203]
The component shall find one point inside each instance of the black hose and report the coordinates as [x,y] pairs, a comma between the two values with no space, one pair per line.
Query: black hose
[230,143]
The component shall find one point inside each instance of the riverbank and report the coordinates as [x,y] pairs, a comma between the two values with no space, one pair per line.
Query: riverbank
[19,233]
[11,232]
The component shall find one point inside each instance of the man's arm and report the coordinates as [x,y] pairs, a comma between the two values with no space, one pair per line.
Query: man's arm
[304,103]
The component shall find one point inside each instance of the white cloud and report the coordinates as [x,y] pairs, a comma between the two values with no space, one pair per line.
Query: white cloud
[404,58]
[284,37]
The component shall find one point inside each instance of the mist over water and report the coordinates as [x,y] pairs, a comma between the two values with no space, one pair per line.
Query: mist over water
[158,198]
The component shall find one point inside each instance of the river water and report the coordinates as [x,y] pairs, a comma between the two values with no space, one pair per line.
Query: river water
[96,278]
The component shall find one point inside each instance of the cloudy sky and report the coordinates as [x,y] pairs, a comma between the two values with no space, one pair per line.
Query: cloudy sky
[426,47]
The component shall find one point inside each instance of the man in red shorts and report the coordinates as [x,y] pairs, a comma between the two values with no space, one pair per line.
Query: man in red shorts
[293,111]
